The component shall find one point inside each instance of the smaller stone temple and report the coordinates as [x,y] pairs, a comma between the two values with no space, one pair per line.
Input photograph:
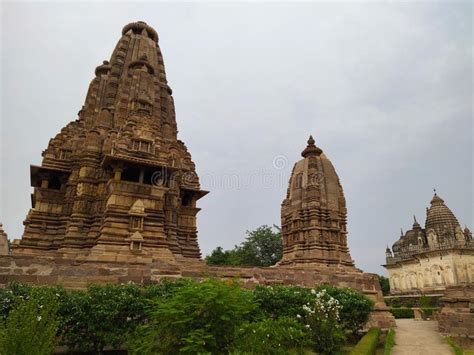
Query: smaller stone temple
[313,214]
[430,259]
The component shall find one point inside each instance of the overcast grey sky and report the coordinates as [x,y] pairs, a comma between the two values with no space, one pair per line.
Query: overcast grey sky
[385,89]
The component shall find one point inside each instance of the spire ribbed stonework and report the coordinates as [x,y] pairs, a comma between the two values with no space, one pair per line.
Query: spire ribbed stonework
[123,148]
[441,220]
[313,215]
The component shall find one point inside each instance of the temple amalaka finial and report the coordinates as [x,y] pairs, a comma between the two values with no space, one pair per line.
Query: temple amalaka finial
[436,198]
[311,149]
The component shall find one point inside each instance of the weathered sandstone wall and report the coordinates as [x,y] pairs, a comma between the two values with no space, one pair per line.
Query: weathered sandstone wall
[456,317]
[72,273]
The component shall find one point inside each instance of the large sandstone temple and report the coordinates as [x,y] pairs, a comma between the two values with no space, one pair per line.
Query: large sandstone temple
[117,183]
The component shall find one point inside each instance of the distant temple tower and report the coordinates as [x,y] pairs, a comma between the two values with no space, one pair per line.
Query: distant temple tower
[4,243]
[430,259]
[117,184]
[313,214]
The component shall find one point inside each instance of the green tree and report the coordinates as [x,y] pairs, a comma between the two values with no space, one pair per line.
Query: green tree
[218,257]
[384,285]
[262,247]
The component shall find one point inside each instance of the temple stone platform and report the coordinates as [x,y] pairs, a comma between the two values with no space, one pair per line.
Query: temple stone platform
[456,317]
[77,274]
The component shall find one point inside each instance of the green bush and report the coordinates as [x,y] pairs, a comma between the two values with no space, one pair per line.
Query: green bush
[190,317]
[282,301]
[30,327]
[323,322]
[368,343]
[196,318]
[101,316]
[287,301]
[428,311]
[402,312]
[164,288]
[10,296]
[356,307]
[425,301]
[422,301]
[392,302]
[271,337]
[389,342]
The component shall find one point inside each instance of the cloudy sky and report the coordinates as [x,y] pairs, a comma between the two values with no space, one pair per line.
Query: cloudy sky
[385,89]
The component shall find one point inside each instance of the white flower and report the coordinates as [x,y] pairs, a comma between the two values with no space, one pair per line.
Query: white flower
[38,318]
[298,316]
[57,294]
[307,326]
[313,291]
[129,319]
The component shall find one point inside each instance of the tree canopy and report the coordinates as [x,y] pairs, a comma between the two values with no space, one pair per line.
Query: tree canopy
[261,247]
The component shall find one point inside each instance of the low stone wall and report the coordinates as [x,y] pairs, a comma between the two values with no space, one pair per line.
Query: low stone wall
[456,317]
[75,273]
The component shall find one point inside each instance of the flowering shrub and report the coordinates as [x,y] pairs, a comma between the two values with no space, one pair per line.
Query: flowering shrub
[11,296]
[31,326]
[196,318]
[355,307]
[323,322]
[271,337]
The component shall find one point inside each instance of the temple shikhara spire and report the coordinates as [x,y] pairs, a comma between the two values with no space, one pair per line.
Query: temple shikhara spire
[117,183]
[313,214]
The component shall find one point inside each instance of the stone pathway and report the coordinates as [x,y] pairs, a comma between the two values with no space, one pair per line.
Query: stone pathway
[419,338]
